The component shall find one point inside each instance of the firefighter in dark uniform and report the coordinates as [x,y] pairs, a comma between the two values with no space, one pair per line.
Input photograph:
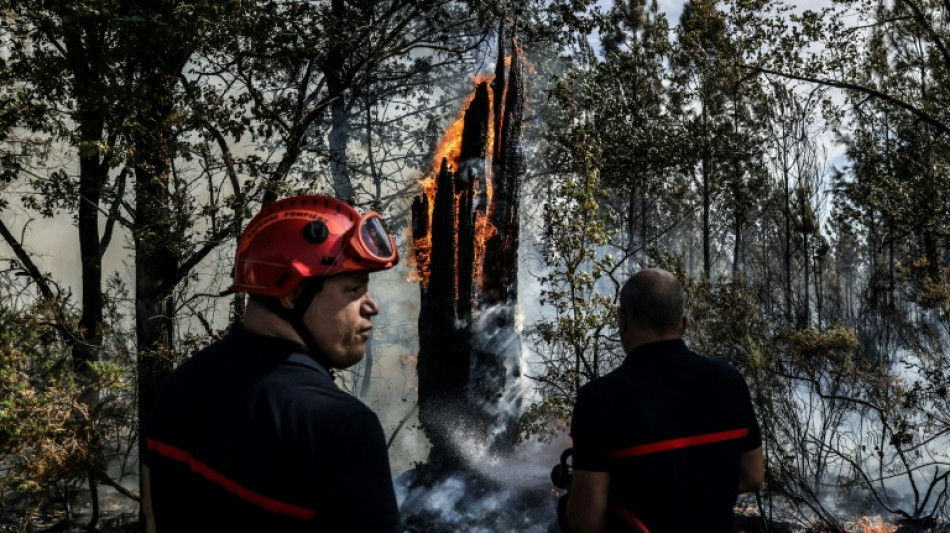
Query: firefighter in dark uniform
[667,441]
[251,433]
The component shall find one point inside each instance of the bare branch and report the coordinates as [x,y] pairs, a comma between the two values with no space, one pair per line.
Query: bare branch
[919,113]
[32,270]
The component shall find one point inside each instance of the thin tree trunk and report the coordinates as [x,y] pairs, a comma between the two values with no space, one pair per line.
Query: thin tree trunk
[707,257]
[157,246]
[707,199]
[339,136]
[788,246]
[806,318]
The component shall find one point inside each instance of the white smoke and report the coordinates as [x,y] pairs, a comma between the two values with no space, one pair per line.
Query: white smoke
[460,503]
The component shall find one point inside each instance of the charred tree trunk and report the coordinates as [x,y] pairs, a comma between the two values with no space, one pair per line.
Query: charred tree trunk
[501,253]
[471,173]
[464,348]
[443,374]
[497,347]
[498,91]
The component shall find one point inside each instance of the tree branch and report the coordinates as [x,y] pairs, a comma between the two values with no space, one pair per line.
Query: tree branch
[103,478]
[113,215]
[919,113]
[392,438]
[922,20]
[32,270]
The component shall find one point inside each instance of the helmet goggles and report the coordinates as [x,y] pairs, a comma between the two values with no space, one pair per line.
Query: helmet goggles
[368,243]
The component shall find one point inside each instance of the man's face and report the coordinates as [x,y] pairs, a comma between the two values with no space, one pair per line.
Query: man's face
[339,318]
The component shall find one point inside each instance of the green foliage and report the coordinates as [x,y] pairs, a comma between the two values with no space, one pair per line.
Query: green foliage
[573,342]
[928,286]
[727,322]
[50,416]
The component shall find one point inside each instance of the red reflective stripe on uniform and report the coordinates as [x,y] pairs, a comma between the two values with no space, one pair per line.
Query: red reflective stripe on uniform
[674,444]
[214,476]
[629,518]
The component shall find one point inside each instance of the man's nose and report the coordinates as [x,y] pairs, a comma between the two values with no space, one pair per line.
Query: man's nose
[370,307]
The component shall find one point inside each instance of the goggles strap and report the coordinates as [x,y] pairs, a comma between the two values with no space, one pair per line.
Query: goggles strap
[294,316]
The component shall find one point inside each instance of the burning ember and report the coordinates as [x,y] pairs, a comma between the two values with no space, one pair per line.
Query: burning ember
[450,151]
[450,146]
[868,524]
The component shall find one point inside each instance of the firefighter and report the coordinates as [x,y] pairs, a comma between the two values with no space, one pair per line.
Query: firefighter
[664,443]
[251,433]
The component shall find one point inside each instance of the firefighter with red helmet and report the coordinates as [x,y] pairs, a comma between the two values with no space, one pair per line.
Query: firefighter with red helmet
[251,433]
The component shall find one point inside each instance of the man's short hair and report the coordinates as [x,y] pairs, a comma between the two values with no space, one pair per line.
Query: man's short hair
[655,299]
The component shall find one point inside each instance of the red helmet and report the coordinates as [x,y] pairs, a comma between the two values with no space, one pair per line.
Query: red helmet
[308,236]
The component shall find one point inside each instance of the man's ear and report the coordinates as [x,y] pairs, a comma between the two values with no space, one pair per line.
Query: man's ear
[622,323]
[686,324]
[288,301]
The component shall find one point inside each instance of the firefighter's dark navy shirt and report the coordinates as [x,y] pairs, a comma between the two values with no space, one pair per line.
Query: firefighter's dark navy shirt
[670,427]
[251,434]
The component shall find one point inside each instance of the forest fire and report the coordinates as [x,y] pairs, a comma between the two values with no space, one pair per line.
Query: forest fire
[863,524]
[450,146]
[465,238]
[449,150]
[869,524]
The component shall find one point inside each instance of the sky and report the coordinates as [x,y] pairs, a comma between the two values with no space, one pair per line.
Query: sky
[673,8]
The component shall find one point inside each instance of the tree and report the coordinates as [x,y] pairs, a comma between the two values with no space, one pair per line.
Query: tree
[840,61]
[575,342]
[288,79]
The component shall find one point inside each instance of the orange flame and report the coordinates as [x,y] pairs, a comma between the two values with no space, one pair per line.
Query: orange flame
[868,524]
[450,148]
[484,230]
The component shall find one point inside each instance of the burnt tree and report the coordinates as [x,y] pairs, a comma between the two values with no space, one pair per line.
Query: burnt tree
[443,376]
[466,319]
[496,344]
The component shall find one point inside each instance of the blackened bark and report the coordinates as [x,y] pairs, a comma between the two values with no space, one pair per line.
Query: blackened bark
[442,281]
[471,172]
[464,351]
[498,90]
[501,254]
[443,375]
[420,221]
[496,343]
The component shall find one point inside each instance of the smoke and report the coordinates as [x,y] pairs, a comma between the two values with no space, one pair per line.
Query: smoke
[464,503]
[527,466]
[494,333]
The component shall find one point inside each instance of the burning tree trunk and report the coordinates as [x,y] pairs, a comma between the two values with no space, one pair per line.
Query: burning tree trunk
[463,347]
[443,375]
[471,172]
[497,346]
